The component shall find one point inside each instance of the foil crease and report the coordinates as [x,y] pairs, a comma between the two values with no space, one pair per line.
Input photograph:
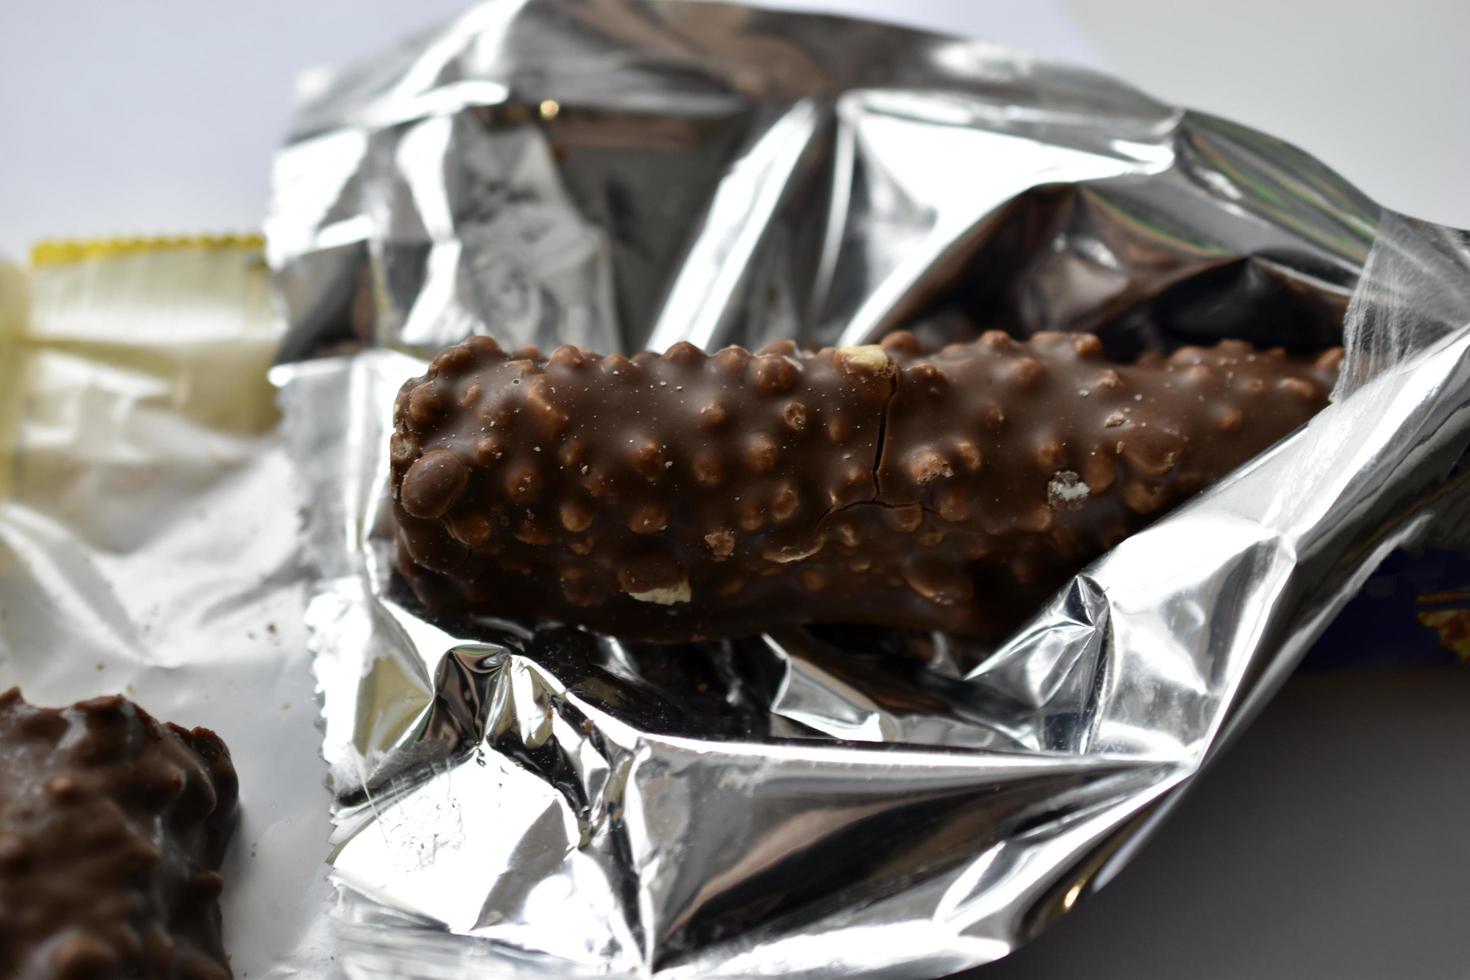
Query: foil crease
[626,174]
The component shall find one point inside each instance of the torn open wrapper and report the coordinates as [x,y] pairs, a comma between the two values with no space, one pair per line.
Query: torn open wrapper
[804,802]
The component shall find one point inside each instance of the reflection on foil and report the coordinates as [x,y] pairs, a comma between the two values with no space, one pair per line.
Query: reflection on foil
[624,174]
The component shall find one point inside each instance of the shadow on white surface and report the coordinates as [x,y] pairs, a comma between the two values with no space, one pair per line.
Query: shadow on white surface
[1330,841]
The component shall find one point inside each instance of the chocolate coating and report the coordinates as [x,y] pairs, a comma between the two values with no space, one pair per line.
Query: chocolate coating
[688,496]
[112,828]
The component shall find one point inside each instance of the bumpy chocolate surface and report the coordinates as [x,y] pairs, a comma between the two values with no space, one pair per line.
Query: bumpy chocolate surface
[112,827]
[690,495]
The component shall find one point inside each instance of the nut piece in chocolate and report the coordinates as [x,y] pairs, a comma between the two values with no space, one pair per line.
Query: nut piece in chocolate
[688,496]
[112,827]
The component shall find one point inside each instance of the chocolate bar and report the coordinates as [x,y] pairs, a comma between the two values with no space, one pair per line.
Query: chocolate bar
[689,496]
[112,828]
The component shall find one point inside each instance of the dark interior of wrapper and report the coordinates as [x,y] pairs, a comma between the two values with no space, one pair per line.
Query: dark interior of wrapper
[1068,257]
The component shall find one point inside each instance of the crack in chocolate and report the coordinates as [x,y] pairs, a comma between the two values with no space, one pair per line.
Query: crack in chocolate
[878,447]
[882,440]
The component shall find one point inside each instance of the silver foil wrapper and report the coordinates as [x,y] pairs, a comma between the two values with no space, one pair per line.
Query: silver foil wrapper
[624,175]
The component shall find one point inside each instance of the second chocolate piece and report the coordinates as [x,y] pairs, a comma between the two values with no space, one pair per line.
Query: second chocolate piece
[690,495]
[112,827]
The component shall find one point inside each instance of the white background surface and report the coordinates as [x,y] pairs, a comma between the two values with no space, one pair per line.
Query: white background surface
[1333,840]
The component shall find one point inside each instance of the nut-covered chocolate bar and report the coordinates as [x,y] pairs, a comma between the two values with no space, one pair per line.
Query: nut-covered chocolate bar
[690,496]
[112,827]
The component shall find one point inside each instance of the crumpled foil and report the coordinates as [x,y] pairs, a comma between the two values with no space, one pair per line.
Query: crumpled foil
[150,541]
[625,174]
